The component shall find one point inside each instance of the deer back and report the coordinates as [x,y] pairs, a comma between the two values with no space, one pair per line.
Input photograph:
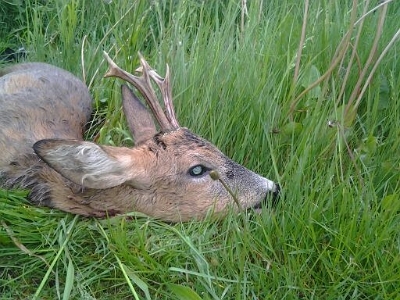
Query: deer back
[39,101]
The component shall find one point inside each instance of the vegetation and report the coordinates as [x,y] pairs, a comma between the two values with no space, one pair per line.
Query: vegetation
[307,93]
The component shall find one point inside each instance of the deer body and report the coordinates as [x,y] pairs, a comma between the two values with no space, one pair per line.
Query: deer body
[43,112]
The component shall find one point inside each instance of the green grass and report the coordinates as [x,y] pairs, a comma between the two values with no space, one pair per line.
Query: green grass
[238,81]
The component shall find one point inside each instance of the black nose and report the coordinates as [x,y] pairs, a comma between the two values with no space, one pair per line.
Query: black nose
[277,190]
[276,195]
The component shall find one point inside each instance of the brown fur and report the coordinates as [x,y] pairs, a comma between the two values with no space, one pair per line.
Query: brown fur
[43,110]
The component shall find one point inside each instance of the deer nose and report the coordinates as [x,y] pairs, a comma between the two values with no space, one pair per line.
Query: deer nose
[276,194]
[270,199]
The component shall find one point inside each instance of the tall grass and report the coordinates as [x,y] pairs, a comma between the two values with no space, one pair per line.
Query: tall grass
[282,87]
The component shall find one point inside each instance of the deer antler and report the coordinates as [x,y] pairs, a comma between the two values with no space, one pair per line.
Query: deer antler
[166,120]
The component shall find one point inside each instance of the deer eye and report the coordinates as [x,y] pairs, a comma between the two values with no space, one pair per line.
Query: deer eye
[198,170]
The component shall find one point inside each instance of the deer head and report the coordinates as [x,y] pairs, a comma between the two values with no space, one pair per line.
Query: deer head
[170,174]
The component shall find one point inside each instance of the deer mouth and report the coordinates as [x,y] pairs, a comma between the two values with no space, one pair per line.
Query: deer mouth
[270,200]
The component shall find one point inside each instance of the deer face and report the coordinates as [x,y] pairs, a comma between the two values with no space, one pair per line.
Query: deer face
[181,185]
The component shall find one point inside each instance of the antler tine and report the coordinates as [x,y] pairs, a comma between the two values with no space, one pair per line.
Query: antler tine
[144,86]
[164,84]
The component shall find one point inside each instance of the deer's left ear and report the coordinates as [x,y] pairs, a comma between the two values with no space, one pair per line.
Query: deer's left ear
[86,163]
[140,121]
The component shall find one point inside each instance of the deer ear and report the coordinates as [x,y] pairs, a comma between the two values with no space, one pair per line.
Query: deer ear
[139,119]
[85,163]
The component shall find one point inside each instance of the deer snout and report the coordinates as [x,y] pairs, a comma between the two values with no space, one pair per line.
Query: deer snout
[272,196]
[271,186]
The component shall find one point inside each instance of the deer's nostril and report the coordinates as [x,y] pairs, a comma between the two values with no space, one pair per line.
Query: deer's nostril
[277,190]
[276,195]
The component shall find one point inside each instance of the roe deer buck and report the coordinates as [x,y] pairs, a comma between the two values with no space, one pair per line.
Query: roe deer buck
[43,112]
